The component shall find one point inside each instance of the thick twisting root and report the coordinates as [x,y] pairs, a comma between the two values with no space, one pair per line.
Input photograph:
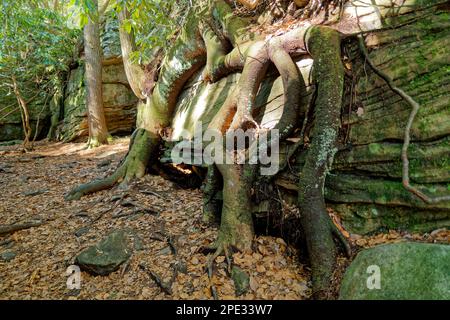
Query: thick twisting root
[324,46]
[220,247]
[142,145]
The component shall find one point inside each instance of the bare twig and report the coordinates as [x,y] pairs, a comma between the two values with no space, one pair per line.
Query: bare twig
[153,193]
[165,287]
[171,242]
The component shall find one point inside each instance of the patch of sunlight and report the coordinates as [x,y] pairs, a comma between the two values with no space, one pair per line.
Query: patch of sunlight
[370,13]
[60,148]
[200,106]
[176,63]
[305,65]
[190,109]
[178,124]
[106,150]
[64,149]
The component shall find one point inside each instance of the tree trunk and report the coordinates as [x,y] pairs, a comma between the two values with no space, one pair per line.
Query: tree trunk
[25,114]
[98,131]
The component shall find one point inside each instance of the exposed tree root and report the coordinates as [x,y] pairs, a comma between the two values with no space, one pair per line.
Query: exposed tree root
[19,226]
[142,147]
[236,224]
[190,50]
[212,186]
[294,88]
[324,46]
[407,137]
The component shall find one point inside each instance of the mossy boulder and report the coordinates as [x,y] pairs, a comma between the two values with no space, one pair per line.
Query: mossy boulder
[406,270]
[241,280]
[106,256]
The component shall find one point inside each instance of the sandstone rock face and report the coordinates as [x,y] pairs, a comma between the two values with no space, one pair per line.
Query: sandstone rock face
[399,271]
[64,115]
[118,98]
[119,103]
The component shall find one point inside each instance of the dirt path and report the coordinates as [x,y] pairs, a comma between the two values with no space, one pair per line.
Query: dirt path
[32,188]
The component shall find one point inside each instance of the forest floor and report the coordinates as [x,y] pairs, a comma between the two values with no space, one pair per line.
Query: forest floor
[33,186]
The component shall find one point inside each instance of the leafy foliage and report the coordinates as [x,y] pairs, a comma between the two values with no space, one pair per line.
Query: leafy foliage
[155,23]
[35,49]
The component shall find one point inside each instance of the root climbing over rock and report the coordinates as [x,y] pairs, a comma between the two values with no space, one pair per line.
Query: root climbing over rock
[144,146]
[407,136]
[323,44]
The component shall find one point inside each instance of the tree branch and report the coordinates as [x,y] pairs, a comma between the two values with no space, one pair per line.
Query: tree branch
[134,72]
[19,226]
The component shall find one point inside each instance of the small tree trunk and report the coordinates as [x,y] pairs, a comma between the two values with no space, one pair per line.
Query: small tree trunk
[24,114]
[98,131]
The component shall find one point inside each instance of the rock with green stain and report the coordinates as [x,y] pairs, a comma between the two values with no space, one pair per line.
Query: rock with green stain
[241,280]
[7,256]
[406,270]
[107,256]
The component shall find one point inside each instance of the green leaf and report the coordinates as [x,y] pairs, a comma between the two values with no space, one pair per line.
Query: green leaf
[126,25]
[83,20]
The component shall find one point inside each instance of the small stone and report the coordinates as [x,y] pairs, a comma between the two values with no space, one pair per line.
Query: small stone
[8,256]
[165,251]
[5,169]
[241,280]
[107,256]
[82,231]
[104,163]
[73,293]
[182,267]
[34,192]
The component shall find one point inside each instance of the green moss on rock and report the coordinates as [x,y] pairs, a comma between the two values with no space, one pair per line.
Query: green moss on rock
[407,270]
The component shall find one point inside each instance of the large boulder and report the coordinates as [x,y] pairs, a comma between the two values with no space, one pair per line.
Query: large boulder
[106,256]
[399,271]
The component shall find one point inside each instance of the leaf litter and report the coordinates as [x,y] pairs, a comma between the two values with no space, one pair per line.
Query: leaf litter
[167,264]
